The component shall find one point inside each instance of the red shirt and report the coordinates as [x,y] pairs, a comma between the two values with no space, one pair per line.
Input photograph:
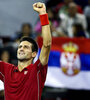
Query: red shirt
[24,85]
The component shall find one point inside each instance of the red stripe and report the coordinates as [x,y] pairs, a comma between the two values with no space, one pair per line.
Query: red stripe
[57,43]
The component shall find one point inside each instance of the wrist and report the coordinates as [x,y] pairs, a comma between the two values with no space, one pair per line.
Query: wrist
[43,12]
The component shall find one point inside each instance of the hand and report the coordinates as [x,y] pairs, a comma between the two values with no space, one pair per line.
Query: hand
[39,7]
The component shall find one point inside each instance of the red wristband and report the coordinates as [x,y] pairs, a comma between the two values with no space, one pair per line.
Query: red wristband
[44,19]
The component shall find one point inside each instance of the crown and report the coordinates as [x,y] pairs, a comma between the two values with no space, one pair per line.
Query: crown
[70,47]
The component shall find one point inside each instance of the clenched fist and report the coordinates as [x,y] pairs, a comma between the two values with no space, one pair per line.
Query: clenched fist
[39,7]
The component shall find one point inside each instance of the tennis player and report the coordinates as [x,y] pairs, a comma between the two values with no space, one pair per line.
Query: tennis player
[26,81]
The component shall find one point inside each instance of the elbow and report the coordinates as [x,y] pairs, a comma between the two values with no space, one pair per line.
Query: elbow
[47,43]
[44,61]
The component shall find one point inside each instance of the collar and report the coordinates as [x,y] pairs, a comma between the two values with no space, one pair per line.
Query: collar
[26,68]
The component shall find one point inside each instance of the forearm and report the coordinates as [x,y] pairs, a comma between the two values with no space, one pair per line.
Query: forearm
[46,34]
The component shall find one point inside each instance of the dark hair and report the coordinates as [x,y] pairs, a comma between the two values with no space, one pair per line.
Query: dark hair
[80,32]
[26,24]
[8,49]
[78,26]
[32,41]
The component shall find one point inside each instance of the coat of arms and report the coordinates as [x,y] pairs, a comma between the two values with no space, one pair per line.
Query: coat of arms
[70,60]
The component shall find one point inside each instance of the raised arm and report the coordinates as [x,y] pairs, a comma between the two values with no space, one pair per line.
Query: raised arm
[46,33]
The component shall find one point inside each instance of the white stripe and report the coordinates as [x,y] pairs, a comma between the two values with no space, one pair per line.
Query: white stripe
[56,78]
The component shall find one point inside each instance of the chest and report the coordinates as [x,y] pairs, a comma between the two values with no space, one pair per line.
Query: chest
[16,79]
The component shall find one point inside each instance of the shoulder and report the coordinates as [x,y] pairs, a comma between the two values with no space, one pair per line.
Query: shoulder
[65,18]
[37,63]
[87,8]
[6,64]
[39,66]
[81,16]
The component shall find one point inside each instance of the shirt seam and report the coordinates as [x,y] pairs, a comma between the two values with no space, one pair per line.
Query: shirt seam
[38,82]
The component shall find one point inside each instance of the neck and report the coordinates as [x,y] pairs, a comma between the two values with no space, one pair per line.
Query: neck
[26,34]
[24,64]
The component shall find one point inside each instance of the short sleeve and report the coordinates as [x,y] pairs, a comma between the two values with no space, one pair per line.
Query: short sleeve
[39,65]
[2,65]
[42,70]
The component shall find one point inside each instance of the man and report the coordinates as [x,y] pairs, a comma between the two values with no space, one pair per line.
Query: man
[26,30]
[26,81]
[72,17]
[87,14]
[62,7]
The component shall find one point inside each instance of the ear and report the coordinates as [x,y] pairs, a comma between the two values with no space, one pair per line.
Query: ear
[34,54]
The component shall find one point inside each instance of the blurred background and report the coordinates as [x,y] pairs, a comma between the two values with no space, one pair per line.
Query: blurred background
[68,76]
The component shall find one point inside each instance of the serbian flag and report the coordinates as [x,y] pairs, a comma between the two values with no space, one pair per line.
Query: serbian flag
[69,63]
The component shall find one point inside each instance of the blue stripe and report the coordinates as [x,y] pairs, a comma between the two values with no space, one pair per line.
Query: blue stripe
[54,60]
[85,62]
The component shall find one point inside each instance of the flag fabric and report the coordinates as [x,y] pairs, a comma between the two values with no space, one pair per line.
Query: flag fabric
[69,63]
[1,85]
